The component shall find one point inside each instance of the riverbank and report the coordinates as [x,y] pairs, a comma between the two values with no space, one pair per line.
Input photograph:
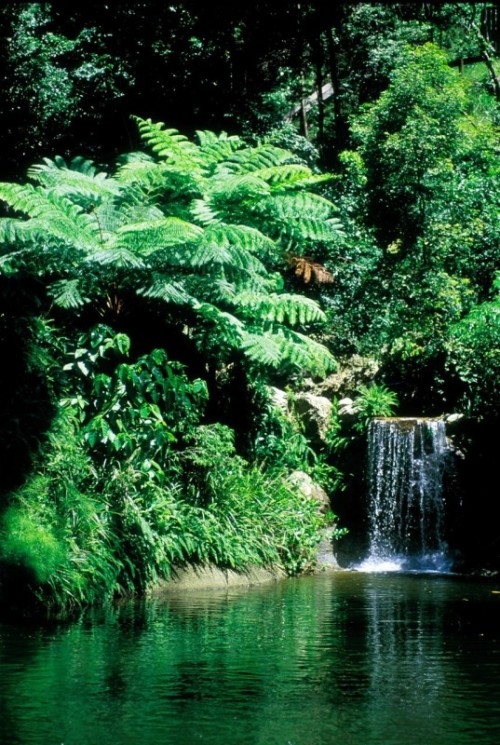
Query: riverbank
[210,577]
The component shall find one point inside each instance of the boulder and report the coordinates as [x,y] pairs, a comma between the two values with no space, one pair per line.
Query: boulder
[310,490]
[352,373]
[315,412]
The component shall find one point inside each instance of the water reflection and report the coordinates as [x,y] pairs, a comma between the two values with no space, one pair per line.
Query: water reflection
[351,658]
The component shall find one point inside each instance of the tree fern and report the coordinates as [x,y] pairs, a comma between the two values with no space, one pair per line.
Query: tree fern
[263,349]
[285,176]
[169,145]
[53,213]
[241,236]
[148,237]
[202,226]
[302,216]
[251,159]
[280,308]
[118,256]
[217,148]
[80,179]
[162,288]
[67,294]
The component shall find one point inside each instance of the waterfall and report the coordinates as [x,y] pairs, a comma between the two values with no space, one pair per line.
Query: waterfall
[406,463]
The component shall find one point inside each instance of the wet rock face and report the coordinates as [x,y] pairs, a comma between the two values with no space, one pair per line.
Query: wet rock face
[310,489]
[315,412]
[351,374]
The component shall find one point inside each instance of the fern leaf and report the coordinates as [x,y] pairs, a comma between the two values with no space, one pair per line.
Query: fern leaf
[13,230]
[303,203]
[80,179]
[238,188]
[170,145]
[262,349]
[241,236]
[230,329]
[280,308]
[217,148]
[203,212]
[225,254]
[60,217]
[307,353]
[302,216]
[66,294]
[118,256]
[168,291]
[252,159]
[210,253]
[287,175]
[148,237]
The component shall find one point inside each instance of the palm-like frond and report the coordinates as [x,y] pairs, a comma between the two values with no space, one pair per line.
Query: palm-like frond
[217,148]
[170,146]
[241,236]
[252,159]
[280,308]
[151,236]
[79,179]
[66,293]
[302,216]
[57,215]
[163,288]
[233,257]
[118,256]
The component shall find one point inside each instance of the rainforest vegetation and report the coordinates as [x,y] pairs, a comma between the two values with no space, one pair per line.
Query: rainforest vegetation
[201,203]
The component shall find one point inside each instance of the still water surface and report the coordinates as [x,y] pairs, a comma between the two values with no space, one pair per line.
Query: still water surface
[348,658]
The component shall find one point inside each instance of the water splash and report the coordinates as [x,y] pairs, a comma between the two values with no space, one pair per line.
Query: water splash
[406,463]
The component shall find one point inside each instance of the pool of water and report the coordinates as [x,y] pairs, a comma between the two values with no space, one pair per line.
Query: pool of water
[347,658]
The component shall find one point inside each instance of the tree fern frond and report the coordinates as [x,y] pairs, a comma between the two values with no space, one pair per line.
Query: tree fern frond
[302,216]
[264,350]
[286,175]
[308,353]
[14,230]
[150,181]
[170,292]
[79,179]
[241,236]
[229,327]
[151,236]
[119,256]
[210,253]
[256,158]
[217,148]
[66,294]
[137,167]
[303,203]
[238,188]
[60,217]
[315,179]
[203,212]
[170,145]
[225,254]
[280,308]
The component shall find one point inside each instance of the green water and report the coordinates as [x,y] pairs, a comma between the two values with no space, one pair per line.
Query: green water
[353,659]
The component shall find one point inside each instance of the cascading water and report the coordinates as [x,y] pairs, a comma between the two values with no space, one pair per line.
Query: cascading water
[406,463]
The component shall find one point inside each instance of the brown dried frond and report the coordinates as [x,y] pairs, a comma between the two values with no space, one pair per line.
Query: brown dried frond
[112,306]
[308,269]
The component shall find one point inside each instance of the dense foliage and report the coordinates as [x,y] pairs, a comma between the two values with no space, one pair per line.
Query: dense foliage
[149,299]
